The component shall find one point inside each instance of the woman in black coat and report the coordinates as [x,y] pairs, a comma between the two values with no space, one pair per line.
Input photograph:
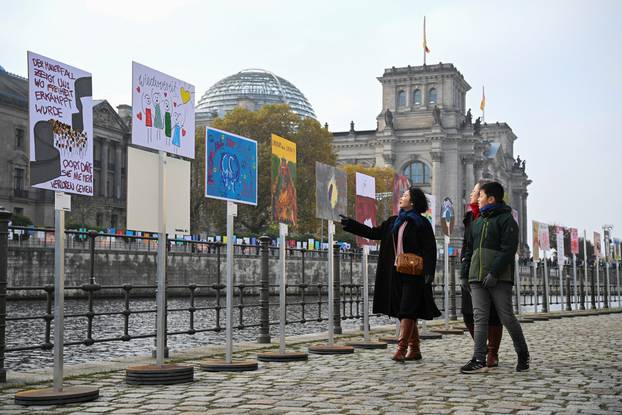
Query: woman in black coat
[403,296]
[495,328]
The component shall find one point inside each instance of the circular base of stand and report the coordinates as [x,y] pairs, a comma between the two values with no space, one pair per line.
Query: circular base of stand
[388,340]
[283,357]
[429,335]
[168,374]
[221,365]
[450,331]
[369,345]
[50,397]
[330,349]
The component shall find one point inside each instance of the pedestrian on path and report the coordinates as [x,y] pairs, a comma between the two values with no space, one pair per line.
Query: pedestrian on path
[495,328]
[488,271]
[403,296]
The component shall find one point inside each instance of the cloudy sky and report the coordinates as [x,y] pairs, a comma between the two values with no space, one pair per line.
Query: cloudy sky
[552,69]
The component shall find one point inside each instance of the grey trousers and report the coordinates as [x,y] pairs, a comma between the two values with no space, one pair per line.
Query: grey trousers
[501,296]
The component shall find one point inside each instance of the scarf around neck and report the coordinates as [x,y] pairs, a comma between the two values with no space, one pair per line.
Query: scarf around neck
[405,215]
[491,207]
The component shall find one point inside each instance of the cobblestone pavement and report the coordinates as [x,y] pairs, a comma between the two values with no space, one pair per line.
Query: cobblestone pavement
[576,368]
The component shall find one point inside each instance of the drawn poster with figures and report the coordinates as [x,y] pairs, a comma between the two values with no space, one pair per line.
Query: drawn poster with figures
[61,126]
[162,112]
[230,167]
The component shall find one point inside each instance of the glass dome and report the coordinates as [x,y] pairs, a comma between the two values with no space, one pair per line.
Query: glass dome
[251,89]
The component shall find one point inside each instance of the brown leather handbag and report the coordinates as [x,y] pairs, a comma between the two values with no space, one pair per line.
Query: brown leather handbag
[408,263]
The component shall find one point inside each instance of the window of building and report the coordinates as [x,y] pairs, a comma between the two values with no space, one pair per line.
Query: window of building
[418,173]
[417,97]
[18,183]
[432,96]
[18,211]
[113,221]
[99,219]
[401,99]
[19,138]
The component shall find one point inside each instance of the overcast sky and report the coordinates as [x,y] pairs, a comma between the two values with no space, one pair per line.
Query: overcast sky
[552,69]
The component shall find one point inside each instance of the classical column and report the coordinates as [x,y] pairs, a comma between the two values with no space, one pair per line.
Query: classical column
[118,182]
[437,167]
[469,174]
[523,218]
[104,168]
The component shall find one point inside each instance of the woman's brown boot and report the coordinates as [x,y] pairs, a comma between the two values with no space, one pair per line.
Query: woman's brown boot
[414,353]
[494,341]
[406,327]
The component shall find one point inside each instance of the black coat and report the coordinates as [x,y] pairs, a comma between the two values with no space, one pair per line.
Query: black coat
[398,295]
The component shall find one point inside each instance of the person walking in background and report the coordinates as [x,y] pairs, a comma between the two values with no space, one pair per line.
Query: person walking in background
[495,328]
[488,271]
[403,296]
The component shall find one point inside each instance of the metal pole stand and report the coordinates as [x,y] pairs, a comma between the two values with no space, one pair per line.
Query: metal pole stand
[331,348]
[160,373]
[58,395]
[366,343]
[446,329]
[282,355]
[227,364]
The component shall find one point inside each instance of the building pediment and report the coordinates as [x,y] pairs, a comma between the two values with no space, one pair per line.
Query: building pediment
[104,116]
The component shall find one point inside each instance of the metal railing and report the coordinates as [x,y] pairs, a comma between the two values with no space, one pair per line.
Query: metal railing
[253,307]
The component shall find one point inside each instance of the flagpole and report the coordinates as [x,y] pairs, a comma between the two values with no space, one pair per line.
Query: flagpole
[424,41]
[484,106]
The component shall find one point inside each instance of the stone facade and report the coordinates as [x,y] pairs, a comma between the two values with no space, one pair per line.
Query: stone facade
[112,136]
[423,131]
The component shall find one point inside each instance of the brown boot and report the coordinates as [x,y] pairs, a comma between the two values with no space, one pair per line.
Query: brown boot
[406,327]
[471,328]
[494,340]
[414,353]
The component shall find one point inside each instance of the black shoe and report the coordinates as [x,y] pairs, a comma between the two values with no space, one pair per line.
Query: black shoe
[474,366]
[523,362]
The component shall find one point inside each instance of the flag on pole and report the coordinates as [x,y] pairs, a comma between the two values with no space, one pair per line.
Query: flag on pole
[426,49]
[482,104]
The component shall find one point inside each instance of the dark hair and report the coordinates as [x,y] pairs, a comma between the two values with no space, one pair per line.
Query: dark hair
[493,189]
[418,200]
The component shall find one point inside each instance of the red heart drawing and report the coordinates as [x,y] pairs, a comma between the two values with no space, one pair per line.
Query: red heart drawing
[165,94]
[175,104]
[138,89]
[183,132]
[139,116]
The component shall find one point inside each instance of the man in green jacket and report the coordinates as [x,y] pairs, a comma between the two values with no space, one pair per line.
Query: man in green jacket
[488,273]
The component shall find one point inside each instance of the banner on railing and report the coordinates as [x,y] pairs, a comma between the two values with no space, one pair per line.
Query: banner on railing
[597,245]
[544,237]
[535,241]
[561,258]
[574,241]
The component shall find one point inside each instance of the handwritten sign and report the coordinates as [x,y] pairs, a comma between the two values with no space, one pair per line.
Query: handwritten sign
[61,126]
[162,112]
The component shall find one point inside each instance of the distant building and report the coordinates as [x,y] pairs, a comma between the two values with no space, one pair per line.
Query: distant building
[423,132]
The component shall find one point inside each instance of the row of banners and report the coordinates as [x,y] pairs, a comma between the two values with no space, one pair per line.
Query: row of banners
[61,151]
[567,242]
